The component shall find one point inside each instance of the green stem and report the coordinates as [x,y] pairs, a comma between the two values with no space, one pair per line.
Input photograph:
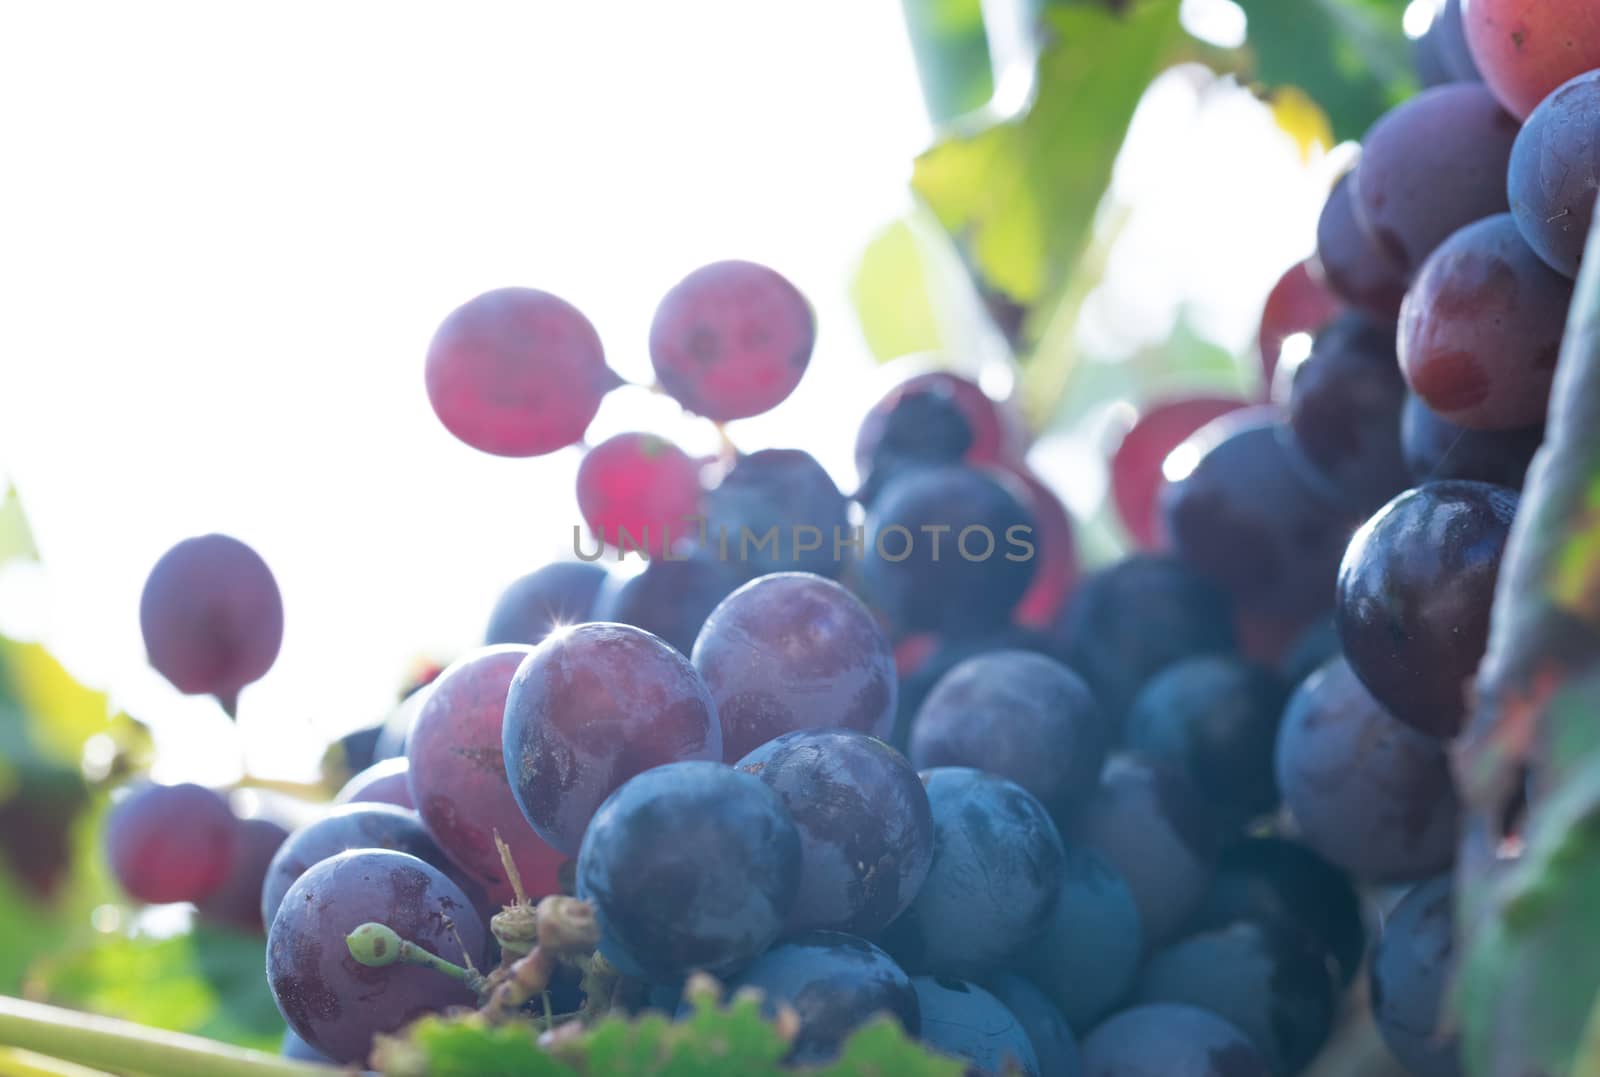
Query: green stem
[124,1047]
[377,946]
[17,1063]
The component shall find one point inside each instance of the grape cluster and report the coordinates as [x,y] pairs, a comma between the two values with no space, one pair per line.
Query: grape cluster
[902,757]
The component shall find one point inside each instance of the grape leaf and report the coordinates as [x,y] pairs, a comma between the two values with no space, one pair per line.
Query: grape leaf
[951,48]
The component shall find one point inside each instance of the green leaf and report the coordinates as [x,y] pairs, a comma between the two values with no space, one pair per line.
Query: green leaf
[951,48]
[16,537]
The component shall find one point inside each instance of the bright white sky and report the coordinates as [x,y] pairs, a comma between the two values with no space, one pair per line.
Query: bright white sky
[227,232]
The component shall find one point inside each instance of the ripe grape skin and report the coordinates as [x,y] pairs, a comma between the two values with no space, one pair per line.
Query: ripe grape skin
[1481,330]
[1299,303]
[1021,716]
[1287,889]
[1318,643]
[691,865]
[1458,132]
[1271,987]
[1159,834]
[1409,977]
[385,782]
[995,438]
[1525,50]
[1555,172]
[672,598]
[1055,569]
[1129,621]
[300,1051]
[167,843]
[353,826]
[1443,49]
[997,869]
[945,653]
[458,776]
[592,707]
[1438,449]
[794,651]
[926,429]
[1168,1039]
[1250,517]
[1136,477]
[938,588]
[563,593]
[1086,957]
[785,489]
[1415,591]
[1344,411]
[517,372]
[1048,1032]
[1355,267]
[1369,794]
[731,340]
[640,490]
[335,1003]
[1215,719]
[237,902]
[212,616]
[964,1020]
[834,982]
[865,825]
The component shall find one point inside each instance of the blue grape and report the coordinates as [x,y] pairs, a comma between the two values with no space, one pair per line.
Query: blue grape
[671,599]
[1167,1040]
[948,652]
[1412,964]
[237,902]
[1019,715]
[1310,652]
[1555,171]
[1047,1030]
[560,594]
[921,429]
[691,865]
[1438,449]
[1086,957]
[384,782]
[998,863]
[783,489]
[299,1050]
[1357,270]
[964,1020]
[866,829]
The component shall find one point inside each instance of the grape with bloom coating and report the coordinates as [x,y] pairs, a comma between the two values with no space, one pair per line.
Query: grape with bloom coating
[1555,172]
[559,594]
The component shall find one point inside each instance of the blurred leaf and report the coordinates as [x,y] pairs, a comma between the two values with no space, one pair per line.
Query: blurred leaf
[1303,120]
[880,1049]
[892,295]
[951,48]
[64,712]
[1350,56]
[16,537]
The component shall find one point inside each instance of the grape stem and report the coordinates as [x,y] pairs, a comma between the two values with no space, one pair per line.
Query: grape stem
[124,1047]
[378,946]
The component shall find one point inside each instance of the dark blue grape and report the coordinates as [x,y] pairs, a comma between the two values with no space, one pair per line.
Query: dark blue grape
[1128,622]
[1086,957]
[1438,449]
[691,865]
[332,1001]
[1410,976]
[1356,268]
[1047,1030]
[1215,720]
[1270,986]
[1555,171]
[964,1020]
[925,429]
[563,593]
[948,652]
[1315,647]
[834,983]
[671,599]
[866,830]
[786,490]
[1168,1040]
[948,549]
[998,864]
[1019,715]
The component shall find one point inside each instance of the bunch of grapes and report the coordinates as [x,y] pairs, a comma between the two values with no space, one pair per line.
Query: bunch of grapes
[890,752]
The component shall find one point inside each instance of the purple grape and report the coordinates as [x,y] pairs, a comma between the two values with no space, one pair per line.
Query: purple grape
[945,653]
[781,489]
[1158,832]
[1410,976]
[332,1001]
[998,864]
[1438,449]
[387,781]
[1021,716]
[794,651]
[458,776]
[299,1050]
[1047,1030]
[1555,172]
[212,617]
[964,1020]
[671,598]
[1165,1040]
[168,843]
[1430,166]
[866,829]
[237,902]
[556,595]
[922,429]
[1414,597]
[1356,268]
[691,865]
[590,708]
[1369,794]
[1442,53]
[1086,957]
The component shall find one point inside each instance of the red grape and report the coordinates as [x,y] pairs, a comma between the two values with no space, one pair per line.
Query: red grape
[517,372]
[1555,172]
[237,902]
[1299,303]
[731,340]
[1431,166]
[212,616]
[168,843]
[996,438]
[1526,48]
[639,492]
[1355,267]
[459,781]
[591,707]
[1055,567]
[1136,478]
[1481,330]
